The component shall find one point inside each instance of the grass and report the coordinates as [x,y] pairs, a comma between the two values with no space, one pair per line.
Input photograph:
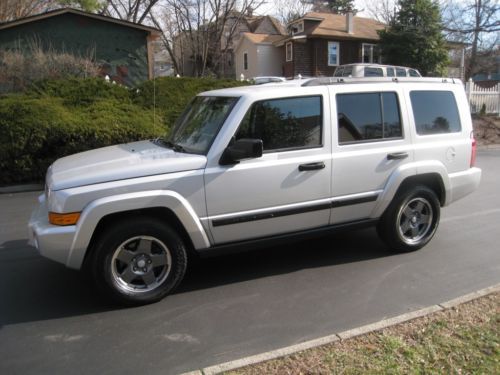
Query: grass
[461,340]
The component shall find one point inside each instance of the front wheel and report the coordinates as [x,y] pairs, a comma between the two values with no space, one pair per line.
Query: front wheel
[411,219]
[138,261]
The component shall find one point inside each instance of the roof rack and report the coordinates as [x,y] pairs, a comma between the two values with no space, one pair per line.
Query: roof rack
[350,80]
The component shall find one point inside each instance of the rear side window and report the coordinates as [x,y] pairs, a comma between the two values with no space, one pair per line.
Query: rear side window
[400,72]
[435,112]
[374,72]
[288,123]
[413,73]
[390,72]
[368,117]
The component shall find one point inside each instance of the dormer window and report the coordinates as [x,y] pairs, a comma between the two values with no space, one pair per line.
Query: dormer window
[297,27]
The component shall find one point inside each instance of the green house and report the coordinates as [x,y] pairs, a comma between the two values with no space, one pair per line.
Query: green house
[123,49]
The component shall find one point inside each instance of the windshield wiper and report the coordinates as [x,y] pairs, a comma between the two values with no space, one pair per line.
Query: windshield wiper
[174,146]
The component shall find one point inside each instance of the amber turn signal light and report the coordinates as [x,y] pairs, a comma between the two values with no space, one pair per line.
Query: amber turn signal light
[63,219]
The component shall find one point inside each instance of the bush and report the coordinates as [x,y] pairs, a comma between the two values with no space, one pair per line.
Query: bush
[79,91]
[58,118]
[36,131]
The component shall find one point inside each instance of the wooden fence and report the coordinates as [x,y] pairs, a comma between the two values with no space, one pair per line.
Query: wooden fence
[482,99]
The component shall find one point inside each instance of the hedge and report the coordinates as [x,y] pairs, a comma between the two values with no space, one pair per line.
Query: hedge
[57,118]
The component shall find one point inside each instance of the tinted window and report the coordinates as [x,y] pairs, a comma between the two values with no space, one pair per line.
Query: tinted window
[368,116]
[390,72]
[400,72]
[413,73]
[347,71]
[435,112]
[374,72]
[284,123]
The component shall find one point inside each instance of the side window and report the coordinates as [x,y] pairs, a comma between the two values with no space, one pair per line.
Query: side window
[374,72]
[390,72]
[413,73]
[400,72]
[282,124]
[435,112]
[367,117]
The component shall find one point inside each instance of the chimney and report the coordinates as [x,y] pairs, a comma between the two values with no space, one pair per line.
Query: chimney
[349,20]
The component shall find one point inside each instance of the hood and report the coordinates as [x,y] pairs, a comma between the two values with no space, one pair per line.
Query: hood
[130,160]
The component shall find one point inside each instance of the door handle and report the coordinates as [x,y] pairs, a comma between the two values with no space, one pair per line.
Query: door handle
[311,166]
[397,156]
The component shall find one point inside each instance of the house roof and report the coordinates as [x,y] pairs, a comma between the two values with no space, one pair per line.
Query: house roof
[58,12]
[334,25]
[255,21]
[262,38]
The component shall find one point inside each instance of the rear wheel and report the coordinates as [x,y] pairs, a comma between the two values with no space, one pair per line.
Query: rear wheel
[138,261]
[411,219]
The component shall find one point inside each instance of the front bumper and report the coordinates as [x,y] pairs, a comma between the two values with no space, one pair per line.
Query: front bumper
[53,242]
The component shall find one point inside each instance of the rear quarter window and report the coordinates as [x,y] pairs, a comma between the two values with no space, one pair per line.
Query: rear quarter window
[435,112]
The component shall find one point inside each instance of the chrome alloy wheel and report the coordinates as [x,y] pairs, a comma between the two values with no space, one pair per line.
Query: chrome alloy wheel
[141,264]
[415,220]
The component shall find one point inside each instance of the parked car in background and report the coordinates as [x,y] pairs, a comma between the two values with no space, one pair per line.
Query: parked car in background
[267,79]
[375,70]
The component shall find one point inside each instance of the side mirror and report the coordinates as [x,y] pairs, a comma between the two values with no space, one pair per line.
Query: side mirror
[244,148]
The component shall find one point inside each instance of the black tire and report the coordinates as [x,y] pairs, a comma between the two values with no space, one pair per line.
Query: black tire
[411,219]
[138,261]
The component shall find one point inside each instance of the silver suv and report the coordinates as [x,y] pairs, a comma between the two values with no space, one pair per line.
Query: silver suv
[250,166]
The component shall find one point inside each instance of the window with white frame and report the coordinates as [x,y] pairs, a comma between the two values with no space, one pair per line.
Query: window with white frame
[245,60]
[289,51]
[297,27]
[333,53]
[371,53]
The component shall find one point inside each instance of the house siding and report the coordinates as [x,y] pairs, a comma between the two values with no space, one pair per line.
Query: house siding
[120,50]
[251,49]
[269,59]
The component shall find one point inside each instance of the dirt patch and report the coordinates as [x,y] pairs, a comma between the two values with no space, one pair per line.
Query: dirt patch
[486,130]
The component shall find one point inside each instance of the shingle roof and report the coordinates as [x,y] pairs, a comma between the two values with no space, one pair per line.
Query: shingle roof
[262,38]
[335,25]
[58,12]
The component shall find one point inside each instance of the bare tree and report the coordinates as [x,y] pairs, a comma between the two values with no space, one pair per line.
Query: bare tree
[201,31]
[381,10]
[14,9]
[130,10]
[476,22]
[288,10]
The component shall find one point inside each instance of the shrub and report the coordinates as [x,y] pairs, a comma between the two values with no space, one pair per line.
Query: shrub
[36,131]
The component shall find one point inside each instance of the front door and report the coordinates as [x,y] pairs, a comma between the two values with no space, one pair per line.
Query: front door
[285,190]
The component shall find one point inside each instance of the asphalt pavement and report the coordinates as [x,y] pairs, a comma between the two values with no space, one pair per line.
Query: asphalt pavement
[52,321]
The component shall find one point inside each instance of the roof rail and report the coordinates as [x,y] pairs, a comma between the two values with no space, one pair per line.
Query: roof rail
[351,80]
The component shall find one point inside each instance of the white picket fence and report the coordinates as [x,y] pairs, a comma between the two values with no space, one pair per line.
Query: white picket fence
[480,96]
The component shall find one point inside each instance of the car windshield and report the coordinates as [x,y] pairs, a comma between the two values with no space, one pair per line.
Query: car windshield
[196,128]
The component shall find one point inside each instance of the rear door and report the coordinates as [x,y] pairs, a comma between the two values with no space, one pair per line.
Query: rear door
[370,139]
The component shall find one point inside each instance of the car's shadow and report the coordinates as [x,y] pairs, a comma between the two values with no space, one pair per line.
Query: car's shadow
[33,288]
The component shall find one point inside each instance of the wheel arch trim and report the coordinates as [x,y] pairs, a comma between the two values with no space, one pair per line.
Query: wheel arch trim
[100,208]
[407,171]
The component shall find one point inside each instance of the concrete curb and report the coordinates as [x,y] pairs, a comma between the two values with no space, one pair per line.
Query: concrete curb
[20,188]
[273,354]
